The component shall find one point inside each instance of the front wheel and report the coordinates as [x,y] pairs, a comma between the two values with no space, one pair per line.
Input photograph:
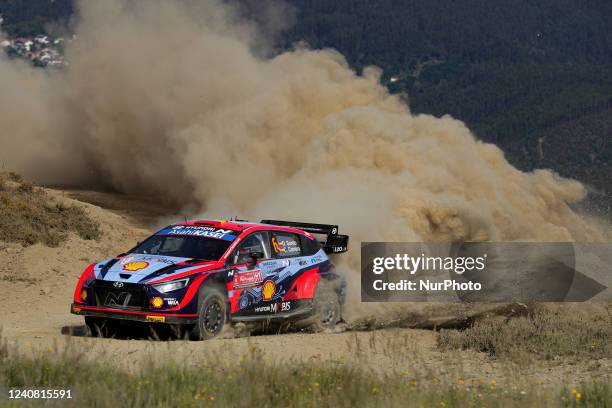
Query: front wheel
[101,327]
[212,313]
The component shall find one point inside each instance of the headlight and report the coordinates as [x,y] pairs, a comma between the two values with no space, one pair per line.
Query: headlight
[171,286]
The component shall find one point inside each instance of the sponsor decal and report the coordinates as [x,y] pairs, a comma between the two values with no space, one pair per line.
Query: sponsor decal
[157,319]
[316,259]
[159,260]
[157,302]
[118,284]
[279,246]
[274,307]
[292,246]
[171,301]
[135,266]
[248,278]
[76,310]
[126,259]
[119,299]
[273,266]
[268,290]
[285,245]
[219,233]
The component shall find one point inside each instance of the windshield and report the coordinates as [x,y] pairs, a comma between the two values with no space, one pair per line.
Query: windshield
[209,249]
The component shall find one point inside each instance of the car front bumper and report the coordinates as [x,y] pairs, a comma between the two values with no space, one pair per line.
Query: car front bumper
[134,315]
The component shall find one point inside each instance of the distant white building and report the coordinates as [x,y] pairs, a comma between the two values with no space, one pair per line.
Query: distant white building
[393,79]
[42,39]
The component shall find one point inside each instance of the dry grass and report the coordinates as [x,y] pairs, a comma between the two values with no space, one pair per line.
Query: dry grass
[543,334]
[28,215]
[258,380]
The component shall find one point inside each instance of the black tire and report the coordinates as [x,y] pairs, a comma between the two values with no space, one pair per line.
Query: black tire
[101,327]
[327,310]
[212,313]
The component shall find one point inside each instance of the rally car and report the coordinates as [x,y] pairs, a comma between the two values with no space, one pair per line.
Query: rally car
[203,275]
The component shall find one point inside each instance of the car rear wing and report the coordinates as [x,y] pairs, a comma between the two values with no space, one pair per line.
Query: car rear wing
[334,243]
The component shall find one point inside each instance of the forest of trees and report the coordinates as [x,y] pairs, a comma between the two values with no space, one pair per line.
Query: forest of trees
[32,17]
[533,76]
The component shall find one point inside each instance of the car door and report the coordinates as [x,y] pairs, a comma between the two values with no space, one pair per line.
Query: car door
[246,276]
[279,273]
[259,288]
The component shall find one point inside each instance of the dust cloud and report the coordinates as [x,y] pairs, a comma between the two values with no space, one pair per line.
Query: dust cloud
[179,99]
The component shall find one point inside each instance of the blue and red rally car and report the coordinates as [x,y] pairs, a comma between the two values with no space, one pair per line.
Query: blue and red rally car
[203,275]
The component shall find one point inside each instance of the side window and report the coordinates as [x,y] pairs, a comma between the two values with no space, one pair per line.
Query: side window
[309,246]
[255,242]
[285,244]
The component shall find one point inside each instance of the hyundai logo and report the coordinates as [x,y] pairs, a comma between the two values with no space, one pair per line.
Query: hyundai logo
[118,284]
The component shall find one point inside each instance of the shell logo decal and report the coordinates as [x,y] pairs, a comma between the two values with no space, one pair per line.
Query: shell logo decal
[157,302]
[135,266]
[268,290]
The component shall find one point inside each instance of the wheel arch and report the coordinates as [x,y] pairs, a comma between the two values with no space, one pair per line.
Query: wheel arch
[217,281]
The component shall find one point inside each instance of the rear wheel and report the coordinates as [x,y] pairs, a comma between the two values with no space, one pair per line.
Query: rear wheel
[327,310]
[212,314]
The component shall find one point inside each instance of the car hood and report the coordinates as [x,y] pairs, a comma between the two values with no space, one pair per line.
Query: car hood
[138,268]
